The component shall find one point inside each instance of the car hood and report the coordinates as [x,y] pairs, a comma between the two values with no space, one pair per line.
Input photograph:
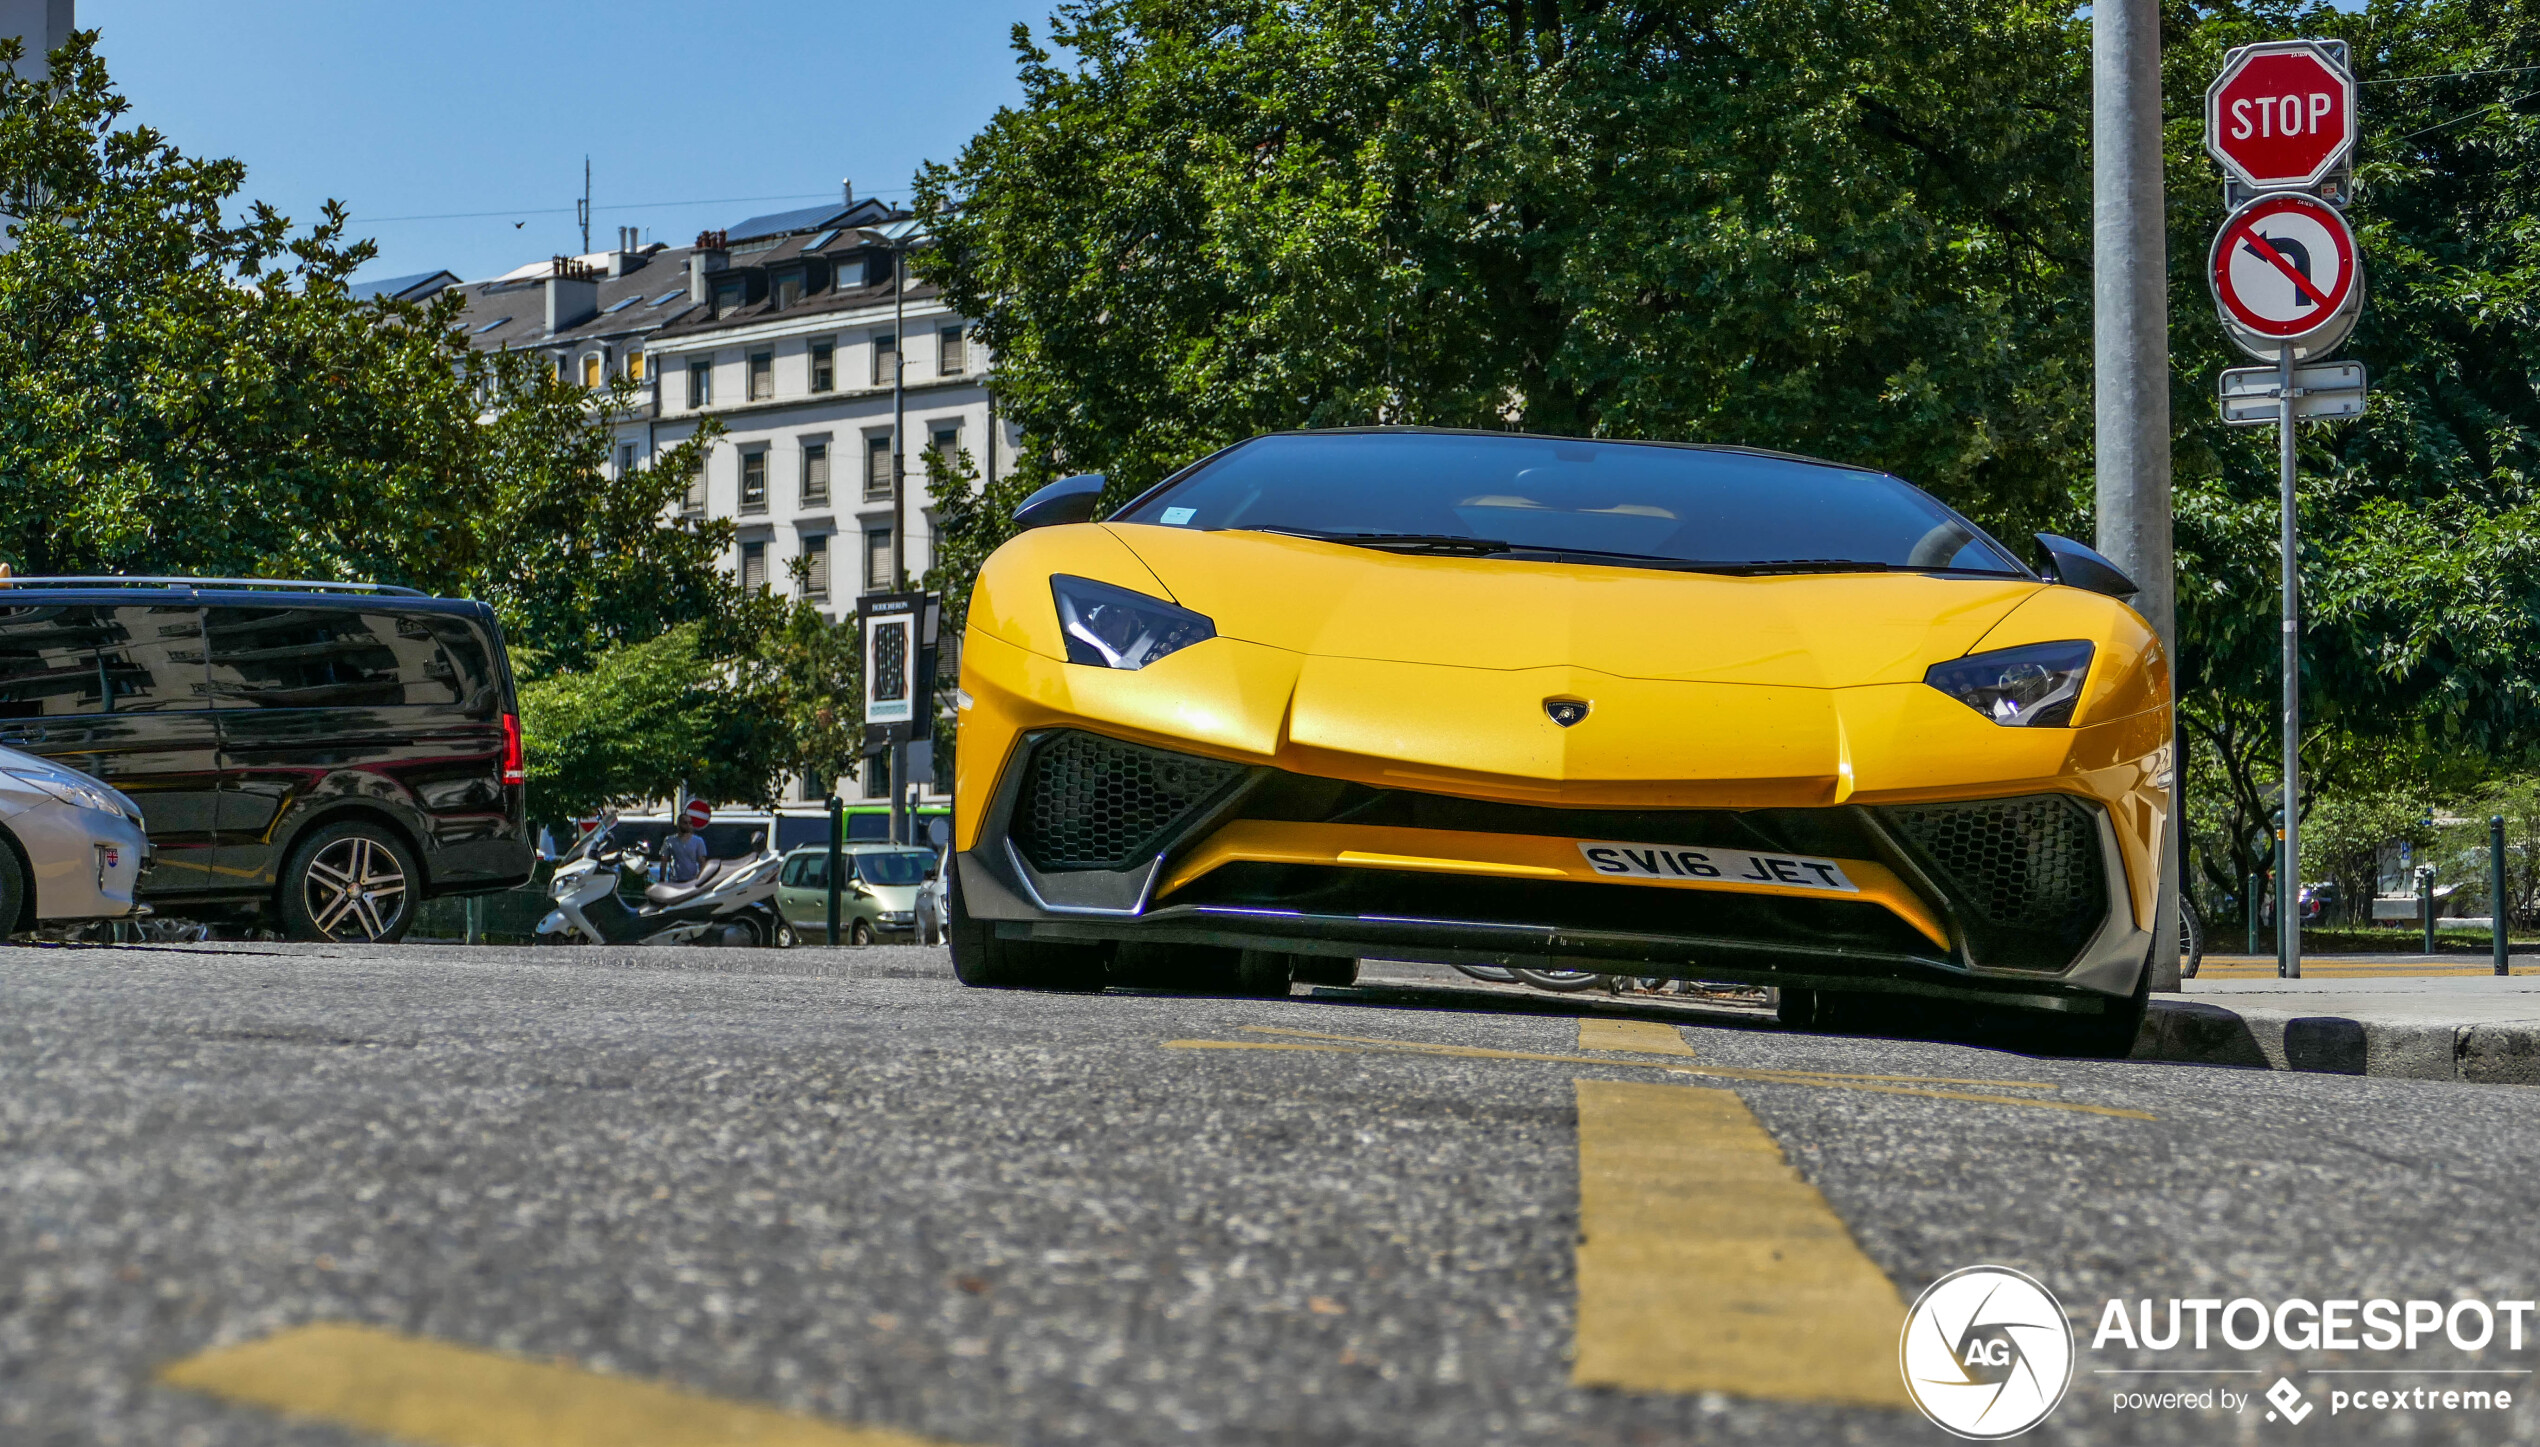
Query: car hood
[1332,600]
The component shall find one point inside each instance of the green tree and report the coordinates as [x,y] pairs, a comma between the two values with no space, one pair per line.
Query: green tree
[2421,528]
[1845,230]
[188,386]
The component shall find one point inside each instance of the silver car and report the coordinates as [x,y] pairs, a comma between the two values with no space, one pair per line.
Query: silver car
[78,846]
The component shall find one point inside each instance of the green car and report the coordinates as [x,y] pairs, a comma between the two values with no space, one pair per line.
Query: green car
[878,902]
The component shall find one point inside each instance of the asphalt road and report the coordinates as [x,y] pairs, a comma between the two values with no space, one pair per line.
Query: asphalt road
[837,1184]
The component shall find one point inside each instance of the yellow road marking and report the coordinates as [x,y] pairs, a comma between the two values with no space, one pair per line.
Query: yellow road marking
[1646,1037]
[1360,1045]
[1425,1047]
[418,1390]
[1706,1264]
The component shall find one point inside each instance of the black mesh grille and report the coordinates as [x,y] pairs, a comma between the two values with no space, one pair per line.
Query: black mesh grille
[2025,874]
[1095,803]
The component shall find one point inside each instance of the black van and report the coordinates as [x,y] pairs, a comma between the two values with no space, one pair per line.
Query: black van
[318,757]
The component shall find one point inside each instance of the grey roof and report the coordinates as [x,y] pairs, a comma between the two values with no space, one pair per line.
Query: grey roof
[404,288]
[517,310]
[809,218]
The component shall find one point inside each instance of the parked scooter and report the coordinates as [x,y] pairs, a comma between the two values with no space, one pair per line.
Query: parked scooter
[730,902]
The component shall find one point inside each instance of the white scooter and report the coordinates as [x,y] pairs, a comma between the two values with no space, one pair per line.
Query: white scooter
[730,902]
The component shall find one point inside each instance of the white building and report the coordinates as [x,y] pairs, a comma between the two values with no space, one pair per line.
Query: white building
[790,330]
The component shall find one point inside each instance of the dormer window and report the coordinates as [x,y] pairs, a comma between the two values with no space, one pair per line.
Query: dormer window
[786,287]
[728,296]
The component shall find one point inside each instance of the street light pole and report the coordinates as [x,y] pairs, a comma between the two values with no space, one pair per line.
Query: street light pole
[2130,335]
[899,484]
[2288,939]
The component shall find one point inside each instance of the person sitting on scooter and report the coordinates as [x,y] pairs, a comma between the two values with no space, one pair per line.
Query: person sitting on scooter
[685,858]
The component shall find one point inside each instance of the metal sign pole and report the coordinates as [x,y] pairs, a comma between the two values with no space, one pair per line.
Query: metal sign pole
[2288,886]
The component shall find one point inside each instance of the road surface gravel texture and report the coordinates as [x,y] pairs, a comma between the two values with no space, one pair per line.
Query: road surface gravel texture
[835,1183]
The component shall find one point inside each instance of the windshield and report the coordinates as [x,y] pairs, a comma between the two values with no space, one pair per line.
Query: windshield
[1636,503]
[901,867]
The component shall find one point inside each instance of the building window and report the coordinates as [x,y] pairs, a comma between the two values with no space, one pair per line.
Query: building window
[815,474]
[695,501]
[701,384]
[824,366]
[786,289]
[952,355]
[634,366]
[591,372]
[945,442]
[815,565]
[762,376]
[626,459]
[728,296]
[877,469]
[815,789]
[877,778]
[753,567]
[886,358]
[754,481]
[877,560]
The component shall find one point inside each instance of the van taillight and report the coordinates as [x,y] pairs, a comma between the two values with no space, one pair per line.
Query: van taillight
[513,773]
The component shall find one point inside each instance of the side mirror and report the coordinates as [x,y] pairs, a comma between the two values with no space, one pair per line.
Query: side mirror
[2064,561]
[1068,500]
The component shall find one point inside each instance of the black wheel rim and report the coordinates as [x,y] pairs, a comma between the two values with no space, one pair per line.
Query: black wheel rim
[354,889]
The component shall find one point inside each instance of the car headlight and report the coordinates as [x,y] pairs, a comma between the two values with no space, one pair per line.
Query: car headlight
[2032,687]
[1115,628]
[78,793]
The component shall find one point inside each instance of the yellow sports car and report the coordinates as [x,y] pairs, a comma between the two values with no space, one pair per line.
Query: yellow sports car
[1644,708]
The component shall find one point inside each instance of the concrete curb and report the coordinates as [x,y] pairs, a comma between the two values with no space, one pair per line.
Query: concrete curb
[2196,1032]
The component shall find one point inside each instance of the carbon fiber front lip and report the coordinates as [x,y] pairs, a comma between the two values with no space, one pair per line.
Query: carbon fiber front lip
[1447,941]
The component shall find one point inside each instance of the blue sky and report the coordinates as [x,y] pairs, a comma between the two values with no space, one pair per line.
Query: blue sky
[427,107]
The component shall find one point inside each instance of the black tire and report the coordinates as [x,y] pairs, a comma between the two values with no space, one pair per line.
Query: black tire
[350,882]
[2106,1036]
[1323,970]
[14,914]
[859,933]
[1823,1010]
[983,961]
[1201,969]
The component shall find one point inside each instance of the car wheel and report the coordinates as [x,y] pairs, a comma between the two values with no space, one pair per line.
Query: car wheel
[859,933]
[349,882]
[786,939]
[1799,1009]
[983,961]
[1323,970]
[2106,1036]
[12,893]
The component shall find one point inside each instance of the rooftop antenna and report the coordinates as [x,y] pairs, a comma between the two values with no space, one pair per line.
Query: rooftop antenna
[582,209]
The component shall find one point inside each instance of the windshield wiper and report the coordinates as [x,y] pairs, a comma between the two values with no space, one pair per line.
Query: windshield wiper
[1812,565]
[1390,542]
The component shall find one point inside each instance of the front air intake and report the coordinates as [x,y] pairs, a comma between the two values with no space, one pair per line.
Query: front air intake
[1089,802]
[2024,876]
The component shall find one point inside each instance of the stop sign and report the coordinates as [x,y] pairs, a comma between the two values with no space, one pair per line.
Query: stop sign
[699,811]
[2281,116]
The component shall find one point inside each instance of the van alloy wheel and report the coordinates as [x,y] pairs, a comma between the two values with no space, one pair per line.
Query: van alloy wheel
[354,889]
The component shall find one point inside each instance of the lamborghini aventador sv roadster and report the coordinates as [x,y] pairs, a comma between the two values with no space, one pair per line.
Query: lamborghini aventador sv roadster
[1644,708]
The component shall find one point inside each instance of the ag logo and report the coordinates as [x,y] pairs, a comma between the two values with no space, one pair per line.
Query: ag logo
[1986,1352]
[1565,711]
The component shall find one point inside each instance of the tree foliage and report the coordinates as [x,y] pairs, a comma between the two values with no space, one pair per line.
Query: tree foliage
[188,386]
[1858,232]
[1841,229]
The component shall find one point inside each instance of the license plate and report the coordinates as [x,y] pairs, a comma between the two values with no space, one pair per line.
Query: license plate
[1727,866]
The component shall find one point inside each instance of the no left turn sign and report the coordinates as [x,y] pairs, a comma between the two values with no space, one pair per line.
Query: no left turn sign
[2284,269]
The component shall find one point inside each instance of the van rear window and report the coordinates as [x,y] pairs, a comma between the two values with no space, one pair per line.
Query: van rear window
[345,658]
